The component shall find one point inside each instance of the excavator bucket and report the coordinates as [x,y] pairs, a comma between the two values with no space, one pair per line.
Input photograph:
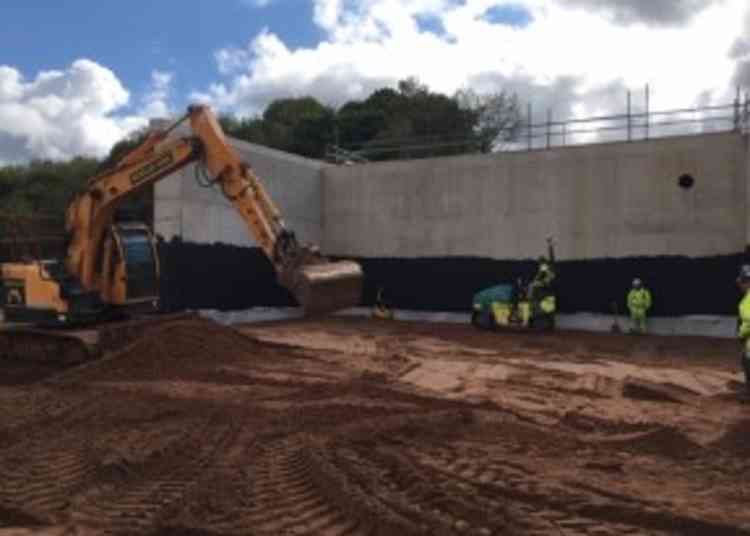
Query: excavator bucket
[325,287]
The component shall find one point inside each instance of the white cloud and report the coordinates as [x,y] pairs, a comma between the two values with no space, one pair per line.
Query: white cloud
[256,3]
[650,12]
[579,56]
[62,113]
[156,101]
[740,53]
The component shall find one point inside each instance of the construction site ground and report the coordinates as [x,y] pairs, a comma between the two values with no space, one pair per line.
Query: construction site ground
[359,427]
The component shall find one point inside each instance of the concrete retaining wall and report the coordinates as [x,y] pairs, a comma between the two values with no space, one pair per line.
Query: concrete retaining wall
[202,215]
[599,201]
[433,232]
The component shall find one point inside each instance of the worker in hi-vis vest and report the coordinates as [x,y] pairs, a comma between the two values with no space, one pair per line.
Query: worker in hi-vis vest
[545,274]
[743,281]
[639,303]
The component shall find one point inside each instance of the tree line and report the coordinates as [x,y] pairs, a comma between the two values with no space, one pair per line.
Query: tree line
[409,121]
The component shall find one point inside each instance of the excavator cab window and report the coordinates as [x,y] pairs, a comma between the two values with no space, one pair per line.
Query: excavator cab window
[140,263]
[52,270]
[112,250]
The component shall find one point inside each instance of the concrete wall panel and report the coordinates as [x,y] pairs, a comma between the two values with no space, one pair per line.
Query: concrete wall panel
[607,200]
[615,206]
[205,216]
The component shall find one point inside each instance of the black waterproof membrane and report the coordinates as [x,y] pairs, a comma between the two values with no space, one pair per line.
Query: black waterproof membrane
[226,277]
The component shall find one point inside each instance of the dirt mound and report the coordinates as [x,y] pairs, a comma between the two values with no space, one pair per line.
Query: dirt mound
[736,440]
[174,348]
[640,389]
[50,531]
[593,424]
[10,518]
[197,429]
[661,441]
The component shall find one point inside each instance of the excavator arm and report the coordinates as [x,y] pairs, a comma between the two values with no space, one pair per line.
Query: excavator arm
[319,285]
[92,212]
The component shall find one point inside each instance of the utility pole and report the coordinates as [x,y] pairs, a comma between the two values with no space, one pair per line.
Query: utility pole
[529,126]
[648,110]
[630,118]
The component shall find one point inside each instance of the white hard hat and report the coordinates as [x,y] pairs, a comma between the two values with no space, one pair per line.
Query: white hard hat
[637,282]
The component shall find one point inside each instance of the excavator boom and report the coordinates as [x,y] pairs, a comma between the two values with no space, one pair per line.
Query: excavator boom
[319,285]
[113,267]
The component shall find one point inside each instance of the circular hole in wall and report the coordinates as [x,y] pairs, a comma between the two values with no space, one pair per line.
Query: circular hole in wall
[686,181]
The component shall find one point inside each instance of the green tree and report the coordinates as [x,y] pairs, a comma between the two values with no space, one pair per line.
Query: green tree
[409,122]
[44,189]
[302,126]
[120,149]
[496,116]
[248,129]
[411,87]
[40,191]
[139,206]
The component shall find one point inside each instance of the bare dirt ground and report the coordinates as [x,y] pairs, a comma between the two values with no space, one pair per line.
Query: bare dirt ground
[357,427]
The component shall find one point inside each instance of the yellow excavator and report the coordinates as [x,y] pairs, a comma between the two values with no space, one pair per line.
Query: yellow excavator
[112,270]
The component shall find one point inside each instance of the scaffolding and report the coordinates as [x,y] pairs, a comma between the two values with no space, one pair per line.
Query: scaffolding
[637,123]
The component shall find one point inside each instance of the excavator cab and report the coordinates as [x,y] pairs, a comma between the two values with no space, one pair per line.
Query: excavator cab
[45,293]
[130,268]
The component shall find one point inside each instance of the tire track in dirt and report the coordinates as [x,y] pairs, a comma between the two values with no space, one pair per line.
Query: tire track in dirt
[47,466]
[536,506]
[291,484]
[570,505]
[48,461]
[151,491]
[40,480]
[285,498]
[344,468]
[405,491]
[201,431]
[36,407]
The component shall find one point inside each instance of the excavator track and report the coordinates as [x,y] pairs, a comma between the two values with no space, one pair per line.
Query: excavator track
[67,347]
[46,346]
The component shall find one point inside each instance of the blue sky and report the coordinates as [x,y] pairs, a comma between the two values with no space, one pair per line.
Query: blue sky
[116,64]
[132,38]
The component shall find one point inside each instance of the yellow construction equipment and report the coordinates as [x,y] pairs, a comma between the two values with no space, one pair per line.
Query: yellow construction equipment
[113,268]
[382,310]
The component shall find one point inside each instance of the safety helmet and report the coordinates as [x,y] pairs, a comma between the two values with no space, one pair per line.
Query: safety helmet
[744,276]
[637,282]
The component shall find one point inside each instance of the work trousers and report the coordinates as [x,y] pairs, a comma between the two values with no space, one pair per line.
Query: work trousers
[638,320]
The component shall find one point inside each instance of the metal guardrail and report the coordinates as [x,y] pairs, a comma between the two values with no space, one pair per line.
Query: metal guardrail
[529,135]
[634,126]
[30,236]
[337,155]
